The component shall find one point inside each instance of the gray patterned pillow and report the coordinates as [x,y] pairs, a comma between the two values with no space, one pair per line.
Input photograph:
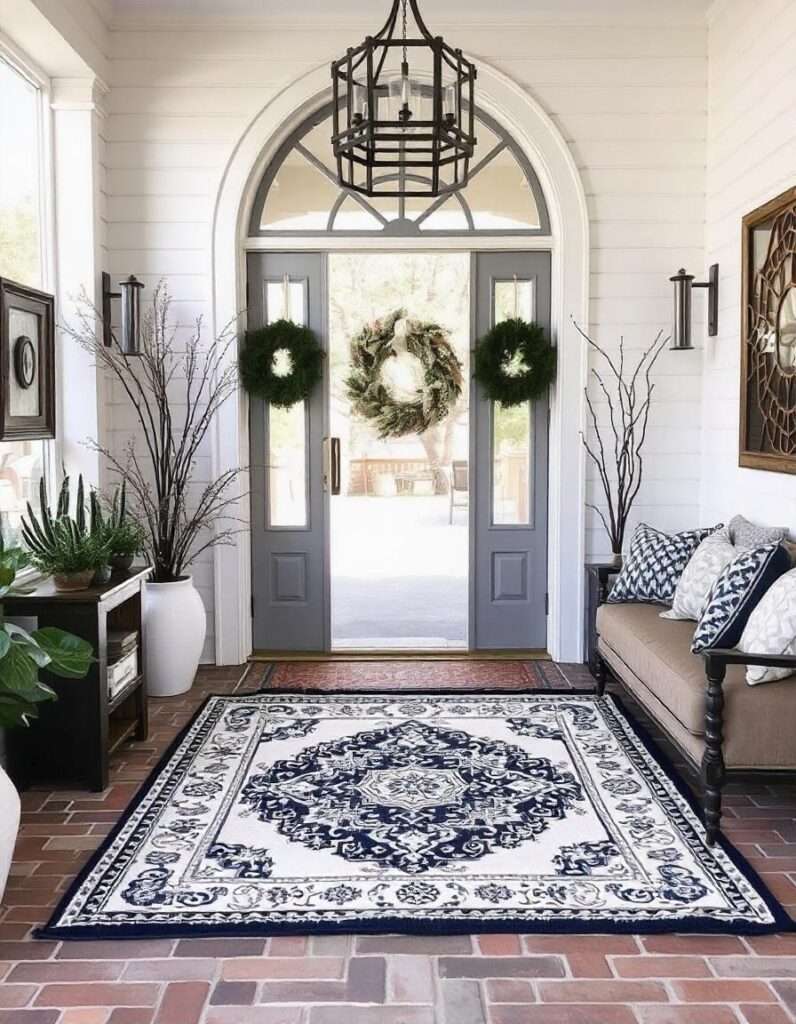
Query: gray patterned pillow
[771,629]
[744,534]
[700,574]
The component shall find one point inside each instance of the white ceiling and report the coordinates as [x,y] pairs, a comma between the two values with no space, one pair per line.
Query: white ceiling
[468,10]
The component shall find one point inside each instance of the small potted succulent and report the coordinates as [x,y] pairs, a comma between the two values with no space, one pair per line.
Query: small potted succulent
[22,654]
[127,540]
[124,534]
[71,550]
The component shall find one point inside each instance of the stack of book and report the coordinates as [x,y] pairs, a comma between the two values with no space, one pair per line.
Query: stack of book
[122,660]
[121,642]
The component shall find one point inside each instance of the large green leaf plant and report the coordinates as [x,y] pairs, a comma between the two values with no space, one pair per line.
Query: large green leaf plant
[23,653]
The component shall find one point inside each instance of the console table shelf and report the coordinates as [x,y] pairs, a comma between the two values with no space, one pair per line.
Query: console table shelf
[74,736]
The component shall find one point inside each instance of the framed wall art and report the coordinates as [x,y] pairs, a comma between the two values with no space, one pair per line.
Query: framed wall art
[27,363]
[768,336]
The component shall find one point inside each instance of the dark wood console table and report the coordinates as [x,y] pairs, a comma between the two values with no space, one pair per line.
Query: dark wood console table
[598,584]
[74,736]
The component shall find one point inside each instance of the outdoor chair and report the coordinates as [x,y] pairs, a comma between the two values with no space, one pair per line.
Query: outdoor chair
[459,487]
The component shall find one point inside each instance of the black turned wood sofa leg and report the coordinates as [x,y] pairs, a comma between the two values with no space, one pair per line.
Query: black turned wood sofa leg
[600,674]
[713,772]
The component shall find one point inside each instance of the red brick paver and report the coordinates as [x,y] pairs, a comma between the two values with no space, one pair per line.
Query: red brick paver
[380,979]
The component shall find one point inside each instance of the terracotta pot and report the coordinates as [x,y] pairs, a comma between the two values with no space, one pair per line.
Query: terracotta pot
[68,582]
[174,634]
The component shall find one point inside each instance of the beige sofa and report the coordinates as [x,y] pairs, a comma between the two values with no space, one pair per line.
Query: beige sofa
[703,703]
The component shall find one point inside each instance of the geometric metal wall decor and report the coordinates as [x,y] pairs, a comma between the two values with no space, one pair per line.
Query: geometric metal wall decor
[768,336]
[27,363]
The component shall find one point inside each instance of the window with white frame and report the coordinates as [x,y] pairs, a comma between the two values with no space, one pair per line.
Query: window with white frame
[22,247]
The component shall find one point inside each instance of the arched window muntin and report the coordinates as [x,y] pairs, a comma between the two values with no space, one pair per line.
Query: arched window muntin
[400,226]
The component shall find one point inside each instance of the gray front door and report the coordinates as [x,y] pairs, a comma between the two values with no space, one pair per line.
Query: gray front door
[287,503]
[509,519]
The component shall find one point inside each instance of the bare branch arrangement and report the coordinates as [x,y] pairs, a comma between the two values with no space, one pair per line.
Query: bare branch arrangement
[175,395]
[618,456]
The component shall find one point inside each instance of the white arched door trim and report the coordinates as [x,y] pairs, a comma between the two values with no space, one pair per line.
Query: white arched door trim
[547,151]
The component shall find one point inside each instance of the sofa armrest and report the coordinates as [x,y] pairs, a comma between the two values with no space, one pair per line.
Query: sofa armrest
[732,656]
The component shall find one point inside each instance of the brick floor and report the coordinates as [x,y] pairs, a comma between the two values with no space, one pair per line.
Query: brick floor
[488,979]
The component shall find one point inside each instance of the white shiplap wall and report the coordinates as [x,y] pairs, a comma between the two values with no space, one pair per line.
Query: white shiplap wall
[751,158]
[625,82]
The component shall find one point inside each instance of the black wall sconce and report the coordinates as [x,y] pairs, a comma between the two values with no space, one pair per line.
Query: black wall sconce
[683,284]
[130,294]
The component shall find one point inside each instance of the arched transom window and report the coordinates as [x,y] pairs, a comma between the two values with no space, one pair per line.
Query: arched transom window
[299,193]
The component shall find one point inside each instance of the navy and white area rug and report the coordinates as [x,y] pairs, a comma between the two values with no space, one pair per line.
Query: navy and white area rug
[289,812]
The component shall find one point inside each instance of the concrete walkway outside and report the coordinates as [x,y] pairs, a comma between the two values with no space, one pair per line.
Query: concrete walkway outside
[399,573]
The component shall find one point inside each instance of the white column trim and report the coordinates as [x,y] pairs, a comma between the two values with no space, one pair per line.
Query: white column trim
[549,154]
[77,109]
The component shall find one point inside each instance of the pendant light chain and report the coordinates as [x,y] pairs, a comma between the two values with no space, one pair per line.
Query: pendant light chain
[404,31]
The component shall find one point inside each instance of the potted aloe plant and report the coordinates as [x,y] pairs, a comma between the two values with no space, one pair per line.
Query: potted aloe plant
[73,550]
[22,654]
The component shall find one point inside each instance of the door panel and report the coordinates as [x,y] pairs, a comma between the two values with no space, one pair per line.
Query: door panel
[288,527]
[510,505]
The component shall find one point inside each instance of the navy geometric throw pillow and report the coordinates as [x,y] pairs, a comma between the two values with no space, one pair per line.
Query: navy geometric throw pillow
[654,564]
[734,595]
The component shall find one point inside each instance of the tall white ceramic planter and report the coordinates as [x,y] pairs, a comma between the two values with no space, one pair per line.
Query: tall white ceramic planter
[174,634]
[9,826]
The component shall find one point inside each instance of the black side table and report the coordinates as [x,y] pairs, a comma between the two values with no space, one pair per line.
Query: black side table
[72,739]
[598,585]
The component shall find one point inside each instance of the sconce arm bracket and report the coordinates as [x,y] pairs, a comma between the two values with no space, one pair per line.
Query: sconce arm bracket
[107,296]
[712,285]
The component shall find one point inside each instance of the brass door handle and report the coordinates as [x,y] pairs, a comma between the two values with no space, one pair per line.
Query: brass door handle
[332,466]
[335,467]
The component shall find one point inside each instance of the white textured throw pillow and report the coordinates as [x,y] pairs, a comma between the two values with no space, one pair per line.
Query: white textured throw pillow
[702,571]
[771,629]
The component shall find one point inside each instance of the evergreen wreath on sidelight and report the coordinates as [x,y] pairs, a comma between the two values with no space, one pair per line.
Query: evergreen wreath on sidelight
[175,387]
[281,363]
[514,362]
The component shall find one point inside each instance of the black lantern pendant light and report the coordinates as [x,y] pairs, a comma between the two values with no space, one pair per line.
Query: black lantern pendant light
[403,112]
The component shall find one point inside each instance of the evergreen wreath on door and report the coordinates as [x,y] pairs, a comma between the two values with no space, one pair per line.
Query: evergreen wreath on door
[378,360]
[281,363]
[514,362]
